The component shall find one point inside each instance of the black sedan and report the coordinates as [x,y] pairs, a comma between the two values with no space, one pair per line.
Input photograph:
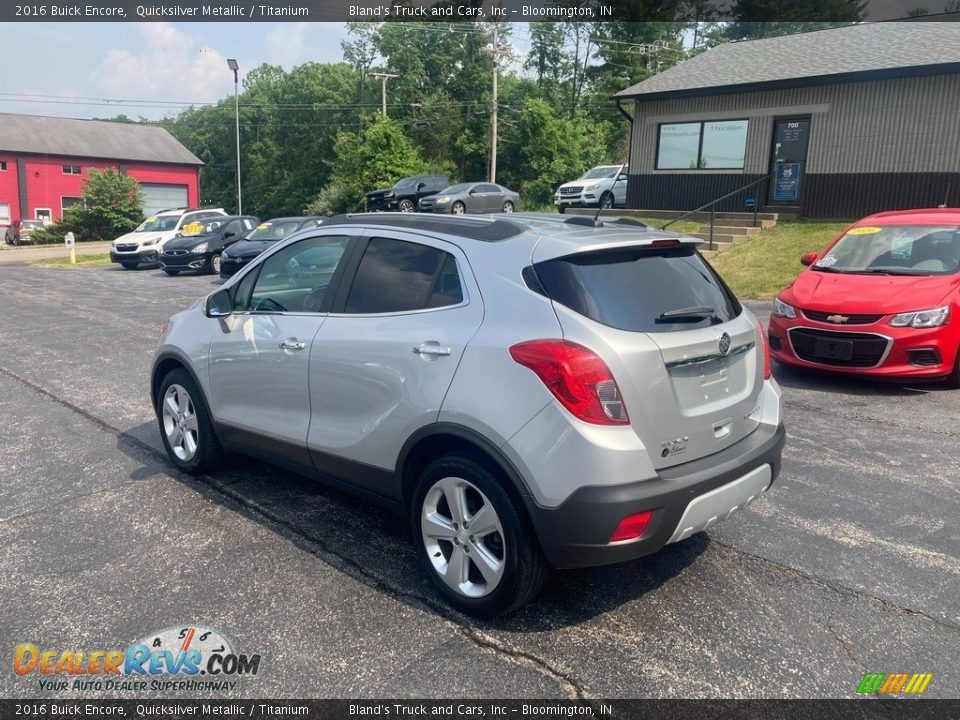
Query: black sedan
[199,245]
[261,238]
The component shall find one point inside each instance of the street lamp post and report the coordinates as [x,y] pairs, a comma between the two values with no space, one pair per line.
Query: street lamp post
[232,64]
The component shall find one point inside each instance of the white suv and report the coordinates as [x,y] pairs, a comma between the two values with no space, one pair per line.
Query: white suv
[604,186]
[144,244]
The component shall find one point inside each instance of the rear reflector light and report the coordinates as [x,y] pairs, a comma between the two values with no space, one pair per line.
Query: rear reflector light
[767,366]
[632,526]
[664,243]
[577,377]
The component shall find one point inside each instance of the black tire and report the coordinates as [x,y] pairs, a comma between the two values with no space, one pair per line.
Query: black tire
[171,271]
[561,209]
[525,569]
[406,206]
[208,452]
[214,265]
[606,200]
[458,208]
[508,207]
[129,265]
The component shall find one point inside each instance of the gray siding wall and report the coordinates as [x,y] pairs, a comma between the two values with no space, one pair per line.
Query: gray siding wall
[881,126]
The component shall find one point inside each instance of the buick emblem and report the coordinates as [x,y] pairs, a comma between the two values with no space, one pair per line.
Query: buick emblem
[724,343]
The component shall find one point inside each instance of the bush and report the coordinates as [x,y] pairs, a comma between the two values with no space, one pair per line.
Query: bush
[111,207]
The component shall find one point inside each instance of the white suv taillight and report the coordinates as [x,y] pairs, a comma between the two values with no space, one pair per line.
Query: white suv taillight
[577,377]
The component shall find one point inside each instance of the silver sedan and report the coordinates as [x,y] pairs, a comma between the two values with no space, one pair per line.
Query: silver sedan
[471,198]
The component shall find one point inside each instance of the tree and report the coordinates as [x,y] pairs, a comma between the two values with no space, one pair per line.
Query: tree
[549,148]
[111,207]
[381,156]
[767,18]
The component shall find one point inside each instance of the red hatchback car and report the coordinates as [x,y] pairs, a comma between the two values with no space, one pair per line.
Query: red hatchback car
[882,299]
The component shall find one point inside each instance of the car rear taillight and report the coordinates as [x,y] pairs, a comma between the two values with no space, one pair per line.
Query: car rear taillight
[767,366]
[632,526]
[577,377]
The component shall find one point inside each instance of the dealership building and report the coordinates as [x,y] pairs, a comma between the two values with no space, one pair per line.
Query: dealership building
[44,162]
[836,123]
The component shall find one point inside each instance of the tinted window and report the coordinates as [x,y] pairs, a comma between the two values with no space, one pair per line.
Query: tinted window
[634,289]
[275,230]
[487,188]
[397,276]
[296,278]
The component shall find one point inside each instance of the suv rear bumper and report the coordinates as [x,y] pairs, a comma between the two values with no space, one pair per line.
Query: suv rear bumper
[577,532]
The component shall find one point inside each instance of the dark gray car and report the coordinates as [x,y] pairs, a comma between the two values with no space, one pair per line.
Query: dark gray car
[472,198]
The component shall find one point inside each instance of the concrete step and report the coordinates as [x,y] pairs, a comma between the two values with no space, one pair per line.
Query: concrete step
[731,230]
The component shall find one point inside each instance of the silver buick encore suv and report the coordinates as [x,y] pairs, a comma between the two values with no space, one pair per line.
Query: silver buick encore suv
[531,391]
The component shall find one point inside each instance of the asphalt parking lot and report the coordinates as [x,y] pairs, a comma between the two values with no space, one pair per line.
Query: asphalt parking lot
[849,565]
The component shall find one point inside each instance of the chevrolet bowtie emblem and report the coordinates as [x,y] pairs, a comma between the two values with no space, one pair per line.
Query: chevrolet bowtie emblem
[837,318]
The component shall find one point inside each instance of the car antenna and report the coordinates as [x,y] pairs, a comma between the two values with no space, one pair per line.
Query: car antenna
[946,195]
[597,216]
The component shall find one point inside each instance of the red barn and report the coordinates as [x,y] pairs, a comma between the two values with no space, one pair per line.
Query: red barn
[45,160]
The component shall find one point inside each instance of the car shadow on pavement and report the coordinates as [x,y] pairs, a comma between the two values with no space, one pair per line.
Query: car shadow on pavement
[372,544]
[804,379]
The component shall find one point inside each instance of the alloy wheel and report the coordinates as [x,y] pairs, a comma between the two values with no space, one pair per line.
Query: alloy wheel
[180,422]
[463,537]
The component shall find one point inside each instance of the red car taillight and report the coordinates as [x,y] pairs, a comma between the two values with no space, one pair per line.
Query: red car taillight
[767,366]
[577,377]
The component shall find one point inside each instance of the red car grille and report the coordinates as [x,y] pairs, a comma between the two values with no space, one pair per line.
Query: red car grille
[825,317]
[840,349]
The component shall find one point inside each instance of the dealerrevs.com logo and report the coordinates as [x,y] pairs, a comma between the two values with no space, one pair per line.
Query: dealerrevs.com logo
[191,658]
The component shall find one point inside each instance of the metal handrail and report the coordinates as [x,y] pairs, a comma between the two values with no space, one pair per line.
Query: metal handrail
[712,203]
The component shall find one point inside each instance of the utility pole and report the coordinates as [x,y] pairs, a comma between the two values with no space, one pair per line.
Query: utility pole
[383,77]
[493,114]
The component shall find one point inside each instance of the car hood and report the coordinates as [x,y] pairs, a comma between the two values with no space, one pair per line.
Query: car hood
[381,191]
[185,243]
[869,294]
[140,237]
[249,248]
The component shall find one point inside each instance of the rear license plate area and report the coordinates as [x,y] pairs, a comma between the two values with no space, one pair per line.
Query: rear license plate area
[826,349]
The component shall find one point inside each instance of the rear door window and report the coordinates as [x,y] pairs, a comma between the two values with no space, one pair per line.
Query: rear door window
[399,276]
[638,289]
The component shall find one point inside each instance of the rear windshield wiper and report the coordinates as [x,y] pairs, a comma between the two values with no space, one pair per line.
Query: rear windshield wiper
[686,314]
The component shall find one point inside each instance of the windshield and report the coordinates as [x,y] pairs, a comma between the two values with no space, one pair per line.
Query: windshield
[456,189]
[640,289]
[201,227]
[273,230]
[407,182]
[895,250]
[604,171]
[158,224]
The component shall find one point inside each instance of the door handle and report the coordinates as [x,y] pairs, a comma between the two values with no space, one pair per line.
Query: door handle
[431,349]
[292,344]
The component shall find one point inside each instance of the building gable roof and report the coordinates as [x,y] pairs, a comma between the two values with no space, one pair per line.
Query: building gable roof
[68,137]
[828,55]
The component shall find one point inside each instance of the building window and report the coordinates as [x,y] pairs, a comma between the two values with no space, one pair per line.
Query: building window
[3,165]
[4,213]
[66,202]
[71,170]
[711,145]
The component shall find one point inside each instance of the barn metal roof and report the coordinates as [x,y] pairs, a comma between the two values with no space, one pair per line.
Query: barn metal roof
[37,134]
[830,55]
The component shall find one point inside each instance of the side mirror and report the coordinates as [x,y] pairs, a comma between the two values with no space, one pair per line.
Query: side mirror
[421,185]
[229,234]
[622,177]
[219,304]
[809,258]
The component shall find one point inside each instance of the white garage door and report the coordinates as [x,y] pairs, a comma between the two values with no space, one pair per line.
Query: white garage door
[157,197]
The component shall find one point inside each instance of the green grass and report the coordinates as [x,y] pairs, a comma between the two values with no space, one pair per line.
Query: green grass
[762,266]
[98,260]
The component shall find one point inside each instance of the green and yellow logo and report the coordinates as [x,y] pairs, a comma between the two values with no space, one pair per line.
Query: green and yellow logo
[894,683]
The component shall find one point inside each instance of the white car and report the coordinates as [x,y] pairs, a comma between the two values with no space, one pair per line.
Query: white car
[144,244]
[604,186]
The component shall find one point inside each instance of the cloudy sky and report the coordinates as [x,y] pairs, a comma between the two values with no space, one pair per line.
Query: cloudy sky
[73,70]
